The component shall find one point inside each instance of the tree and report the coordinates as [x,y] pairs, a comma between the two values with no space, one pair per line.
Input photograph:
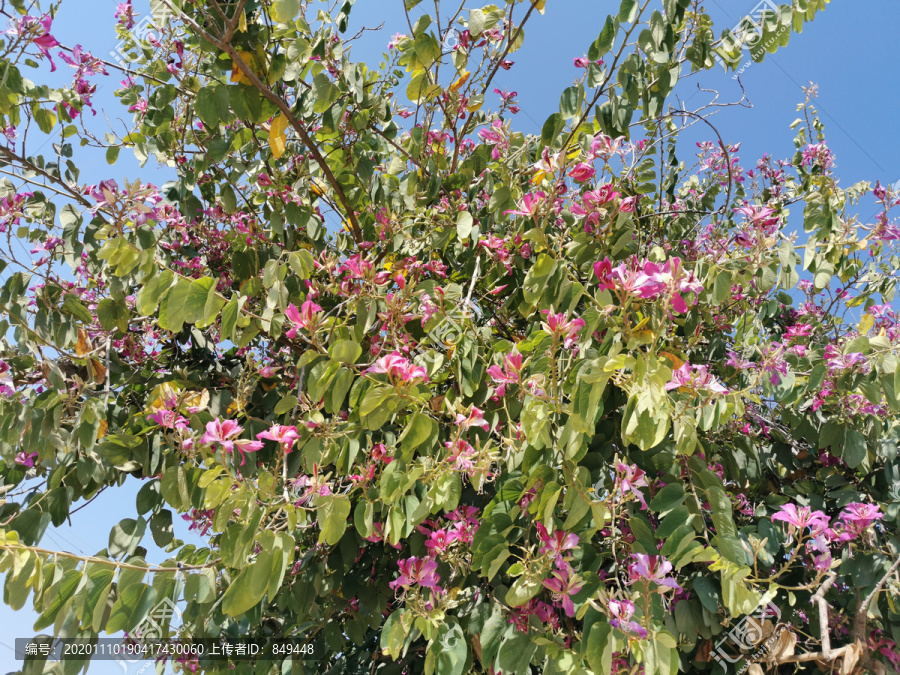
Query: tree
[441,396]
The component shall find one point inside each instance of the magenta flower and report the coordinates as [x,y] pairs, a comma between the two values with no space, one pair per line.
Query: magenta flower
[26,459]
[169,419]
[125,14]
[461,454]
[7,386]
[801,518]
[582,172]
[440,540]
[621,612]
[652,568]
[559,325]
[694,378]
[38,31]
[510,373]
[474,419]
[557,543]
[286,436]
[307,317]
[221,432]
[857,518]
[396,367]
[630,478]
[421,571]
[838,362]
[528,206]
[762,218]
[563,584]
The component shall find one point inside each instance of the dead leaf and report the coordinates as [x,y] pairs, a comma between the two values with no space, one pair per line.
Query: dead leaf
[278,136]
[83,346]
[755,669]
[851,658]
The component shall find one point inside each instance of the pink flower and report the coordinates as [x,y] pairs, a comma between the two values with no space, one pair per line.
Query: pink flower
[557,543]
[221,431]
[801,518]
[621,612]
[582,172]
[169,419]
[559,325]
[421,571]
[694,378]
[529,205]
[398,37]
[837,361]
[439,540]
[563,584]
[510,373]
[652,568]
[474,419]
[26,459]
[857,518]
[284,435]
[461,454]
[396,367]
[307,317]
[630,478]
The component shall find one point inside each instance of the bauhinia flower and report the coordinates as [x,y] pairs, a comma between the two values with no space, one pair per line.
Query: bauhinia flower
[582,172]
[398,368]
[621,612]
[857,518]
[557,543]
[169,419]
[839,362]
[561,326]
[26,459]
[417,571]
[510,373]
[652,568]
[799,518]
[563,584]
[307,317]
[222,432]
[629,479]
[528,206]
[284,435]
[694,378]
[475,418]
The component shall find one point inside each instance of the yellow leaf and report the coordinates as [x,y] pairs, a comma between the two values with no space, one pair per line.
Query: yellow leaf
[237,75]
[539,5]
[461,81]
[101,431]
[242,23]
[318,186]
[676,362]
[83,346]
[97,370]
[865,324]
[278,136]
[475,104]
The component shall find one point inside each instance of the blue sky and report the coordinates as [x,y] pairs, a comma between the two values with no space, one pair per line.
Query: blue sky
[844,51]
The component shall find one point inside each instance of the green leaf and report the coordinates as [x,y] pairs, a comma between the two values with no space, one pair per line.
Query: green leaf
[112,154]
[250,586]
[604,41]
[854,450]
[464,224]
[671,496]
[285,10]
[285,404]
[332,512]
[598,650]
[132,606]
[195,302]
[125,536]
[149,296]
[345,351]
[208,107]
[172,310]
[523,590]
[570,102]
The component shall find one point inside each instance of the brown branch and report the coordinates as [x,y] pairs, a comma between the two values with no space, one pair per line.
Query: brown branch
[224,44]
[861,619]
